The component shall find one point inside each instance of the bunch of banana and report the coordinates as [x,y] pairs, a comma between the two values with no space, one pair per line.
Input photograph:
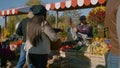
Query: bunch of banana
[99,47]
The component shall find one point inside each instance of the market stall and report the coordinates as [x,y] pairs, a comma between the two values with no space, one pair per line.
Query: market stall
[72,5]
[63,6]
[97,48]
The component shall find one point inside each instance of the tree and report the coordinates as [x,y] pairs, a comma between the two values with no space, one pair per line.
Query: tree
[74,14]
[51,17]
[11,24]
[33,2]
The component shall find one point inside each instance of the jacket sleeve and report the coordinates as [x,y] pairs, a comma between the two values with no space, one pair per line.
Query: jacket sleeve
[19,29]
[50,33]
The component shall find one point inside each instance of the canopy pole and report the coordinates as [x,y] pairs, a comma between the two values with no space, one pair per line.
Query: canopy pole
[5,22]
[56,23]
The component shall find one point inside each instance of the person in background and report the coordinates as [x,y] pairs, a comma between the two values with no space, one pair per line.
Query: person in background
[83,30]
[83,26]
[112,21]
[39,37]
[21,31]
[71,34]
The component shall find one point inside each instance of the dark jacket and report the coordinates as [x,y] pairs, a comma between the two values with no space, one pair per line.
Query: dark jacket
[84,29]
[21,30]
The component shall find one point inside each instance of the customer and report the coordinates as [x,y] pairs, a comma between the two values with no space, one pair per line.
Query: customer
[112,21]
[39,34]
[21,30]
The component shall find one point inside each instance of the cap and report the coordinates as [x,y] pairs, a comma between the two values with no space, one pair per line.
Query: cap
[38,10]
[82,18]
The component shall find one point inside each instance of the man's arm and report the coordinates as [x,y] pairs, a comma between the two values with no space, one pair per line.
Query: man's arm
[118,23]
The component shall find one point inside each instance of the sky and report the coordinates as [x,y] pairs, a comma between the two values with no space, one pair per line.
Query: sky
[7,4]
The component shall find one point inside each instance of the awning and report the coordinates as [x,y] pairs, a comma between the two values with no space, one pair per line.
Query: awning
[74,4]
[15,11]
[58,6]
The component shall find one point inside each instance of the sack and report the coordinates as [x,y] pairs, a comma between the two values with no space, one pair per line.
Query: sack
[26,48]
[27,45]
[55,45]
